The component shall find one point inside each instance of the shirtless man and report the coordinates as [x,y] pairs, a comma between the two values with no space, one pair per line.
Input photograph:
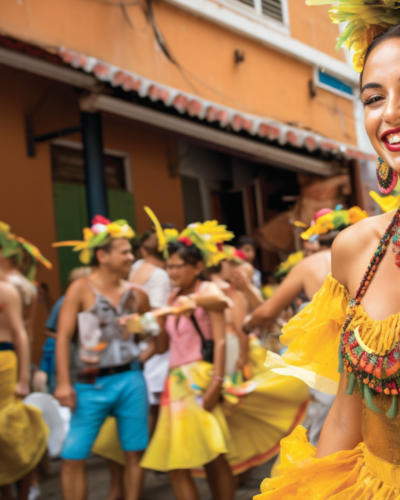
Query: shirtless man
[19,452]
[108,365]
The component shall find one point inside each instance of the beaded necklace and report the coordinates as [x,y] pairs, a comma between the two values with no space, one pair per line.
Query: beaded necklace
[372,373]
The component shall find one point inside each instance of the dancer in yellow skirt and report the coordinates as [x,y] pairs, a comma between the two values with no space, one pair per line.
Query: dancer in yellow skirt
[264,403]
[353,323]
[194,429]
[23,433]
[191,431]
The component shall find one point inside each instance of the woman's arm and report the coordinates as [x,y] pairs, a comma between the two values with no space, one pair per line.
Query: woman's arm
[266,314]
[13,311]
[162,339]
[30,318]
[211,298]
[251,293]
[342,427]
[239,312]
[212,394]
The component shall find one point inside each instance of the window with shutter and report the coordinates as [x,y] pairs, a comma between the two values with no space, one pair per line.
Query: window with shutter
[272,8]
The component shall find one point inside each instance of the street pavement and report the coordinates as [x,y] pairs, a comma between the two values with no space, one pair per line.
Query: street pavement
[157,486]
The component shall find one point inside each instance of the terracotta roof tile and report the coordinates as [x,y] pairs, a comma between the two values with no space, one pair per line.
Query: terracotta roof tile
[199,108]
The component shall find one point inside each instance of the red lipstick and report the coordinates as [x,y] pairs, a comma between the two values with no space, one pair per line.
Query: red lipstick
[391,147]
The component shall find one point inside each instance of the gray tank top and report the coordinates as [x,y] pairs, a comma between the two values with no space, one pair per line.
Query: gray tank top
[102,342]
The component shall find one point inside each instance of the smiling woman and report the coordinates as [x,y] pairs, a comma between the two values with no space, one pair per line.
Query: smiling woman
[353,323]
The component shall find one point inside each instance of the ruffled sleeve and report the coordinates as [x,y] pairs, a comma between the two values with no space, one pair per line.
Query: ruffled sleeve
[313,337]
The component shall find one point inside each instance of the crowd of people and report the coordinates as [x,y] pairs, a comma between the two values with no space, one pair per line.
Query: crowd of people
[160,362]
[150,357]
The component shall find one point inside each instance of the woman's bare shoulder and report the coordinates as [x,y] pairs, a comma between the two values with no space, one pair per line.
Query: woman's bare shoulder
[7,290]
[355,243]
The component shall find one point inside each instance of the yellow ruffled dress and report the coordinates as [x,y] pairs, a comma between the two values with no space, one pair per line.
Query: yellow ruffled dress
[23,432]
[247,426]
[372,470]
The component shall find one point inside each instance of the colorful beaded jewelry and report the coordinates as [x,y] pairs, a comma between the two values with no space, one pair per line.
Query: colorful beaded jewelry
[387,177]
[372,373]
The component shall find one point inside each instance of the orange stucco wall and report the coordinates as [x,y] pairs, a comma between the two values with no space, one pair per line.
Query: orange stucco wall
[313,26]
[266,83]
[26,200]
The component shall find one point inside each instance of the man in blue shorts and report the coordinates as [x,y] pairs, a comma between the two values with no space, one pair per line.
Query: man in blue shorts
[105,377]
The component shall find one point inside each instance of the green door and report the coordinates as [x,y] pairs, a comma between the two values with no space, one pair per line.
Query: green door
[71,217]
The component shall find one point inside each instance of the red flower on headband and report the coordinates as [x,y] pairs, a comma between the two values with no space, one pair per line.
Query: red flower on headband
[99,219]
[185,240]
[240,255]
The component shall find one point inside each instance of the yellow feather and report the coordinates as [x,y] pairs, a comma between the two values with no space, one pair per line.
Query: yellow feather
[66,244]
[162,240]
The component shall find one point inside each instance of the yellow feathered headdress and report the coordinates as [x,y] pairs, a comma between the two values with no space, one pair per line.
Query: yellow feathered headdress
[285,266]
[99,234]
[327,220]
[207,237]
[14,246]
[366,19]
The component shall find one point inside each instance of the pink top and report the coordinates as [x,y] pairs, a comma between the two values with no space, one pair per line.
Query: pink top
[185,341]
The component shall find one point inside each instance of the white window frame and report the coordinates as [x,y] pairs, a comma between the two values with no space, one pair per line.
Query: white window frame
[255,13]
[321,85]
[67,143]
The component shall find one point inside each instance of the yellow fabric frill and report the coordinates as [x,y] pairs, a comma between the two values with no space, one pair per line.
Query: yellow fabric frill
[313,335]
[23,432]
[187,436]
[248,426]
[351,474]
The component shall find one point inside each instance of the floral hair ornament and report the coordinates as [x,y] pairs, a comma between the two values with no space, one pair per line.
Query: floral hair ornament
[285,266]
[207,237]
[234,255]
[15,246]
[327,220]
[366,20]
[98,235]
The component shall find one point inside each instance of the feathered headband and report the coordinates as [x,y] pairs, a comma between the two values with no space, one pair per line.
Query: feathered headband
[207,237]
[327,220]
[234,255]
[366,19]
[98,235]
[14,246]
[285,266]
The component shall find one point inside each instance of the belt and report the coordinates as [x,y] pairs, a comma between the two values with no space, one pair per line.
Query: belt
[90,375]
[6,346]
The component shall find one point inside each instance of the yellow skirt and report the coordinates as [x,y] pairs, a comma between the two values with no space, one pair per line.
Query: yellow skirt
[23,432]
[247,426]
[187,436]
[347,475]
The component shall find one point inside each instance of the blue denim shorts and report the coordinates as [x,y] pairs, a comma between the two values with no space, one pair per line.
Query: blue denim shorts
[122,396]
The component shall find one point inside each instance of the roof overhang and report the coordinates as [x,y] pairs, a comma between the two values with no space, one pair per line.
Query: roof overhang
[228,119]
[255,151]
[224,128]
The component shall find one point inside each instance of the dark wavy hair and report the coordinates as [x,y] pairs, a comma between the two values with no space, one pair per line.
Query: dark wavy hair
[189,254]
[392,32]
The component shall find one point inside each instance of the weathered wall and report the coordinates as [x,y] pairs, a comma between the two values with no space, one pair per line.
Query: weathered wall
[26,200]
[267,84]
